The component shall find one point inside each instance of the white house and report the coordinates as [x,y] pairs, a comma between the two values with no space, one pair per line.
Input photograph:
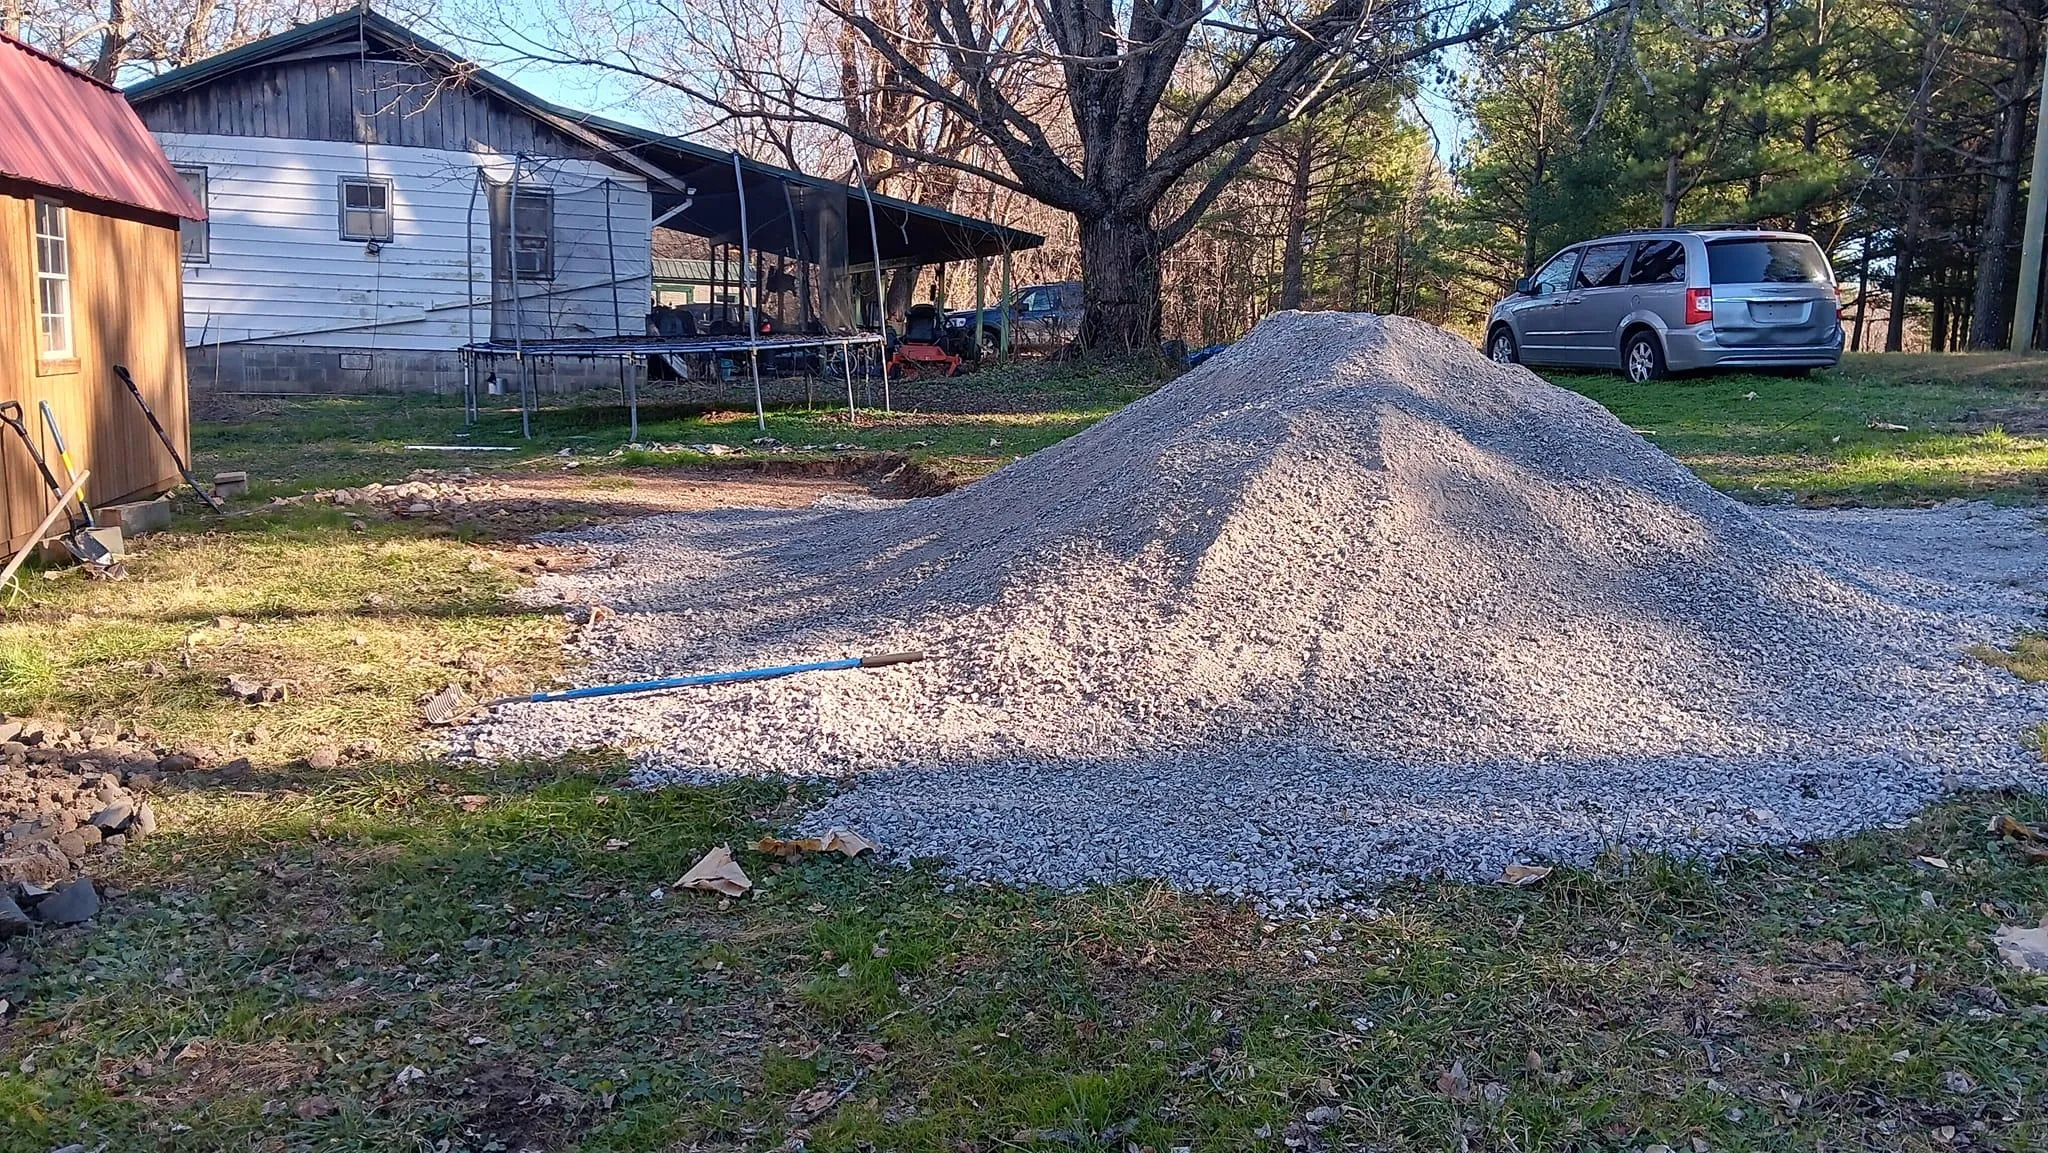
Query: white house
[374,204]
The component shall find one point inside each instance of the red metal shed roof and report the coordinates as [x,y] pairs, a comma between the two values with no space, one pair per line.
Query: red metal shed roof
[62,129]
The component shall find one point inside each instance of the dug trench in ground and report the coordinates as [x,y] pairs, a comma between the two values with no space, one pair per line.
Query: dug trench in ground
[1348,602]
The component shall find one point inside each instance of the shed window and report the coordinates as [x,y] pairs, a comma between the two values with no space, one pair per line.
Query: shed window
[53,281]
[365,209]
[195,237]
[527,245]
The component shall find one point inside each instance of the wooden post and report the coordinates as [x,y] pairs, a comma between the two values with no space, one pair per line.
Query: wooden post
[748,310]
[980,300]
[1003,302]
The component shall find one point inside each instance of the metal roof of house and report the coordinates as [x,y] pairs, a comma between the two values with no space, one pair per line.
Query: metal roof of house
[682,174]
[65,131]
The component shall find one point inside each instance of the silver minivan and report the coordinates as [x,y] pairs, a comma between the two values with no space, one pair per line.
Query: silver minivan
[1672,300]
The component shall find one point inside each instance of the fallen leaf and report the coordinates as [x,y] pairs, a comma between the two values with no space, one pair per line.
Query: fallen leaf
[1522,876]
[833,841]
[1454,1083]
[1934,862]
[717,873]
[471,802]
[2006,825]
[2025,949]
[815,1101]
[313,1108]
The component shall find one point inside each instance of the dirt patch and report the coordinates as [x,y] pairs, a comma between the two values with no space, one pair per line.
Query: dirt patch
[2023,420]
[515,1108]
[515,503]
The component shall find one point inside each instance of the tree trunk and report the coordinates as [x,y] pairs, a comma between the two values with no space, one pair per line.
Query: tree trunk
[1908,246]
[1120,283]
[1995,246]
[1937,323]
[1297,221]
[1539,169]
[1671,191]
[1809,143]
[113,43]
[1862,293]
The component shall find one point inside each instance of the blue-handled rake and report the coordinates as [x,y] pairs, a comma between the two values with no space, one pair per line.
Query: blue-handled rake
[447,702]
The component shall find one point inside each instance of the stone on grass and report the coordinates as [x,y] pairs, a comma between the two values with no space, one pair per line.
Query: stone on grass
[39,863]
[323,758]
[115,816]
[12,920]
[72,904]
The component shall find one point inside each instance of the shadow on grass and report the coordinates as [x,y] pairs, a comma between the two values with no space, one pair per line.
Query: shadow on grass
[502,928]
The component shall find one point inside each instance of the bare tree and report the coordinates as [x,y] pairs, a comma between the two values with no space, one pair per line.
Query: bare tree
[1131,117]
[113,39]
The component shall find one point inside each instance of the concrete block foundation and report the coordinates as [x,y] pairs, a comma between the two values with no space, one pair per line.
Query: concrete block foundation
[277,369]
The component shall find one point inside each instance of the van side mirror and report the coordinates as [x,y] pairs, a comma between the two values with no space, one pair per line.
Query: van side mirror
[1525,286]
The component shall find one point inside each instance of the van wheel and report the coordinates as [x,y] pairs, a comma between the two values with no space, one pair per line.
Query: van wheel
[1500,347]
[1642,358]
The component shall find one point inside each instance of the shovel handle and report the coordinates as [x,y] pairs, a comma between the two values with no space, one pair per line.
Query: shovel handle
[880,659]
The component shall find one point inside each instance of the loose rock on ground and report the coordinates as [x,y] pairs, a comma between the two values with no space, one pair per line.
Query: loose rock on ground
[1347,602]
[71,801]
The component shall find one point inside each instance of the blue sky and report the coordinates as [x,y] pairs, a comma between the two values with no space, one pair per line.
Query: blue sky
[620,98]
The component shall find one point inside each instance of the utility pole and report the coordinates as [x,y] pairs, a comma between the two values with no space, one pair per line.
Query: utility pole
[2025,307]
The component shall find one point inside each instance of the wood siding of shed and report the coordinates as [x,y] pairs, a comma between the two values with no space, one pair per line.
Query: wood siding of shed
[347,99]
[127,308]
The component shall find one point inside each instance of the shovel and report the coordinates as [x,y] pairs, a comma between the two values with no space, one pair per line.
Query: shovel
[85,540]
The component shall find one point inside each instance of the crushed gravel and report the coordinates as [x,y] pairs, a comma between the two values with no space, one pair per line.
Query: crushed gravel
[1347,602]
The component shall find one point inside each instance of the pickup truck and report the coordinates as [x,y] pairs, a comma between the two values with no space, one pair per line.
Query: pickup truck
[1039,316]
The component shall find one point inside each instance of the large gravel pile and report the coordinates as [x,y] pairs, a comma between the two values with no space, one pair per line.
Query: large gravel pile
[1349,601]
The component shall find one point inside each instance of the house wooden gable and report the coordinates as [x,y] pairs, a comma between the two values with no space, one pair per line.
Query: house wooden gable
[358,78]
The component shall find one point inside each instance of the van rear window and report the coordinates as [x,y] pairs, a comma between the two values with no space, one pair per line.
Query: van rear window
[1766,262]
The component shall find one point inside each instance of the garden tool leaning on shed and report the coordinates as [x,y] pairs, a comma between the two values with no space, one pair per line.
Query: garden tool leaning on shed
[128,382]
[97,547]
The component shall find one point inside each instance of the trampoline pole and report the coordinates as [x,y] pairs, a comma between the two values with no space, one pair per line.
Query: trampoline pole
[739,184]
[846,362]
[469,299]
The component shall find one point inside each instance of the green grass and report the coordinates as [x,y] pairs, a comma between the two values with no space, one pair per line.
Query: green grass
[960,428]
[357,624]
[1973,427]
[282,959]
[412,953]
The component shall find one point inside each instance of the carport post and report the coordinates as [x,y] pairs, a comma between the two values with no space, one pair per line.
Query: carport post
[739,184]
[881,293]
[980,299]
[1003,333]
[846,362]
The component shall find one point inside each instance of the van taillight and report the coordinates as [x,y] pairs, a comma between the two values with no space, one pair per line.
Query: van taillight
[1699,305]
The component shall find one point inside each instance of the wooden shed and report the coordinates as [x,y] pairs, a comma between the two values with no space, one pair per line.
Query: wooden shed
[90,212]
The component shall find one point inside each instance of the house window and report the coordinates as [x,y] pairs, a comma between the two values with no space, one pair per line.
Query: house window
[195,237]
[365,209]
[532,231]
[53,282]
